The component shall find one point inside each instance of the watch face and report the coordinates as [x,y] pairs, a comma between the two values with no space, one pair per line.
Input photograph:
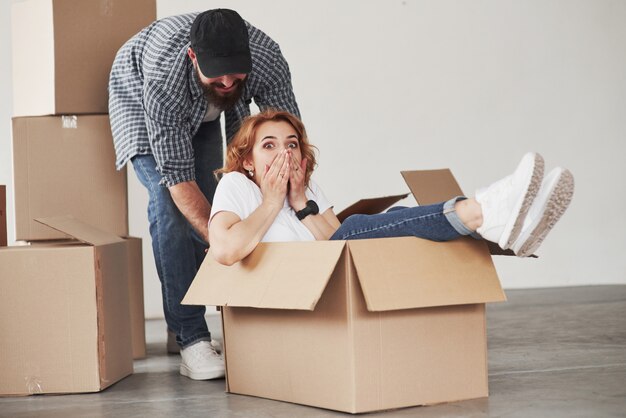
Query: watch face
[314,208]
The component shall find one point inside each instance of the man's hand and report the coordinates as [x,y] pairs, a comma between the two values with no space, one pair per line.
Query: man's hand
[193,205]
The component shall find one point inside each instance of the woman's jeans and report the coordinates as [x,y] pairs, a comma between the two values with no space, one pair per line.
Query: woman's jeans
[178,249]
[438,222]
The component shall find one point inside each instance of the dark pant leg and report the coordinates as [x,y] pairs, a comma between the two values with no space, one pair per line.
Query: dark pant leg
[208,154]
[178,249]
[428,222]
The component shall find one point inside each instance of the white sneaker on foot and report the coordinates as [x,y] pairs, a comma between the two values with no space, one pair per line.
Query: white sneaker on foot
[201,362]
[554,196]
[217,346]
[505,203]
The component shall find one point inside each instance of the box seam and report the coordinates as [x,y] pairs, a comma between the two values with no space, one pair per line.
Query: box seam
[99,317]
[349,311]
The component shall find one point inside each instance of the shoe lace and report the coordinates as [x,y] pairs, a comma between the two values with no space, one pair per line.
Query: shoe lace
[205,351]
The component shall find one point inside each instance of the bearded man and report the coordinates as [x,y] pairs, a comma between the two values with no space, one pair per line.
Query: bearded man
[168,86]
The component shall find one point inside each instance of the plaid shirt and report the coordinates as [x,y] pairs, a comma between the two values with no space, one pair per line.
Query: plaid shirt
[156,104]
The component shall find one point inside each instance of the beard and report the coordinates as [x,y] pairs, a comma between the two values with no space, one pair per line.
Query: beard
[220,100]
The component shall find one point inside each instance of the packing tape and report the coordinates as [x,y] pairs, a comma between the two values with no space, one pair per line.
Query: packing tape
[106,8]
[33,384]
[69,122]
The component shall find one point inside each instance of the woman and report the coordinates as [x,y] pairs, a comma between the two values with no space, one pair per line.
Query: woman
[266,194]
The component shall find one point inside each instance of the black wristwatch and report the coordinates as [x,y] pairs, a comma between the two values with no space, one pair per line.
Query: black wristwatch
[311,208]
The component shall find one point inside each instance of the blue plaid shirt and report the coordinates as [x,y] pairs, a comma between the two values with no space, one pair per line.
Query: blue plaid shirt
[156,104]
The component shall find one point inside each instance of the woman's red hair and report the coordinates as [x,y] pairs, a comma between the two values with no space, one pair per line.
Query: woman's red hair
[242,143]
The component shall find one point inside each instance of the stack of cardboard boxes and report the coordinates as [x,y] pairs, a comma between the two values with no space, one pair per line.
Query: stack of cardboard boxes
[71,301]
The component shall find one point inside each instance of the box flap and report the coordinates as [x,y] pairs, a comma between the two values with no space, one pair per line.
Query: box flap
[279,275]
[370,206]
[403,273]
[80,230]
[432,186]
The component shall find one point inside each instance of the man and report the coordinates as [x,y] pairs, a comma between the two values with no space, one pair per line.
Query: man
[167,89]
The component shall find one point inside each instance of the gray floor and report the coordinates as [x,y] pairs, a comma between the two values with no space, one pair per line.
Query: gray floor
[552,353]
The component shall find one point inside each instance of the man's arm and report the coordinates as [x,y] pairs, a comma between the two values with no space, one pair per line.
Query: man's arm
[170,141]
[278,92]
[193,205]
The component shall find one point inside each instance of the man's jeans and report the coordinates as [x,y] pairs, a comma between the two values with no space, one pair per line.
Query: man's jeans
[178,249]
[438,222]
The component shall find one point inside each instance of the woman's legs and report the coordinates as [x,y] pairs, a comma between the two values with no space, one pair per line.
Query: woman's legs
[439,222]
[515,212]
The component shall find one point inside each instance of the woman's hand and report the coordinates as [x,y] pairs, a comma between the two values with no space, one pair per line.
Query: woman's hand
[275,179]
[297,197]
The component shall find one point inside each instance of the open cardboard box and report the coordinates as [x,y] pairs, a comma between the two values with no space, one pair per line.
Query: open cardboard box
[358,326]
[65,306]
[66,165]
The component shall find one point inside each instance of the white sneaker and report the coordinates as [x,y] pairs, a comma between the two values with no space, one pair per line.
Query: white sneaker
[556,193]
[217,346]
[505,203]
[201,362]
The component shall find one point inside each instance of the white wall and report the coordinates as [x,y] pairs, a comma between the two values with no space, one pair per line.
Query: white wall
[385,86]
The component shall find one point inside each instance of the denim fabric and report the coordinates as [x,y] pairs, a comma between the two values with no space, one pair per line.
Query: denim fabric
[438,222]
[178,249]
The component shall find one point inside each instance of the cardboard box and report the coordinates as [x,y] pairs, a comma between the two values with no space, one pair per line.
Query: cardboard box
[357,326]
[3,216]
[63,51]
[65,165]
[65,306]
[135,294]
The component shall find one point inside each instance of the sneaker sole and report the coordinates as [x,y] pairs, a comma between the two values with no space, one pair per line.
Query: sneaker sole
[205,375]
[534,183]
[559,200]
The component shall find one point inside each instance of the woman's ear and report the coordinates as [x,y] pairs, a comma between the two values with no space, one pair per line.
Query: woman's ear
[247,165]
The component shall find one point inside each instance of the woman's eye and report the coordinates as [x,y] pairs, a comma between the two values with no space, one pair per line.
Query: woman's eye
[293,145]
[268,146]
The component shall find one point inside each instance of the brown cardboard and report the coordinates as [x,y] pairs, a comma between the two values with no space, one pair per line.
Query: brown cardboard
[370,206]
[76,42]
[135,294]
[399,322]
[468,275]
[270,290]
[66,308]
[3,216]
[65,165]
[134,258]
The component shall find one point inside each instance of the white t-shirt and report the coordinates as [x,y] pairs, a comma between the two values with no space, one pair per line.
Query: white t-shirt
[238,194]
[212,113]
